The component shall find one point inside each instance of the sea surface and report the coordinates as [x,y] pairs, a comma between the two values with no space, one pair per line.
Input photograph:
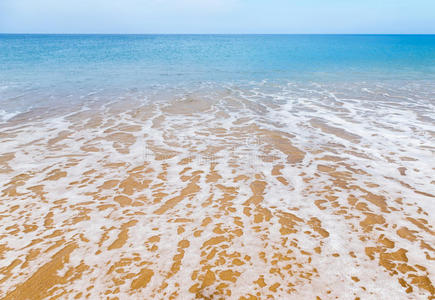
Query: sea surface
[217,166]
[36,68]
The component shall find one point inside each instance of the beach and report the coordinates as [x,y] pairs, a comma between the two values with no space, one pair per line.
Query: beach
[218,188]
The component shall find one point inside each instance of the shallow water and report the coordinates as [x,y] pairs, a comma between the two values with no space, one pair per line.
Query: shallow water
[220,189]
[46,70]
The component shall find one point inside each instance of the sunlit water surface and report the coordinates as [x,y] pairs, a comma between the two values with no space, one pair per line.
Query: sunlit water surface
[235,167]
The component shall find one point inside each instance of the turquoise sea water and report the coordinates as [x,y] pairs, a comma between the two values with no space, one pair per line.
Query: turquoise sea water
[142,166]
[34,68]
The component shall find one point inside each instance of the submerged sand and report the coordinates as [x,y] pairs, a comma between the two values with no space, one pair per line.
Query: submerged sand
[294,192]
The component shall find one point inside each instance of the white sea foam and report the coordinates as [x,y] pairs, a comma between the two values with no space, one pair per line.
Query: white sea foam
[354,141]
[5,116]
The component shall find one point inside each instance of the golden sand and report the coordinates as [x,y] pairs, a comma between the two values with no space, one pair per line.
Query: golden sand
[92,217]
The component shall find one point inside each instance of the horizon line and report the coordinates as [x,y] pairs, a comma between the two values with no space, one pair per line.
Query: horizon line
[114,33]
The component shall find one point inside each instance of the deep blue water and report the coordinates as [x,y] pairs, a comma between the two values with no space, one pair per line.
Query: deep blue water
[50,65]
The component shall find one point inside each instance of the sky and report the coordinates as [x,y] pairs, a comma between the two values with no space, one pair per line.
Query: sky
[217,16]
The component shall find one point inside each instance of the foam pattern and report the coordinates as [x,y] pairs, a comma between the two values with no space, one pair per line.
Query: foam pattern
[223,191]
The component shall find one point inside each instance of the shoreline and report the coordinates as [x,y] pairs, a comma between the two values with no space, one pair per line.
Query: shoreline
[106,200]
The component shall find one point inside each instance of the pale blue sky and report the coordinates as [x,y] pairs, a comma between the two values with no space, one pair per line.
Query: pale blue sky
[217,16]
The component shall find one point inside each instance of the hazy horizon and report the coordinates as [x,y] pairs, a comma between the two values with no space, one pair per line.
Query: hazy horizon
[217,17]
[183,33]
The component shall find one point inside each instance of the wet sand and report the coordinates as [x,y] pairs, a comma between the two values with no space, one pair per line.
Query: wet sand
[294,192]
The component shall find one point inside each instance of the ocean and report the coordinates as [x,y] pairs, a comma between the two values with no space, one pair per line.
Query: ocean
[217,166]
[63,65]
